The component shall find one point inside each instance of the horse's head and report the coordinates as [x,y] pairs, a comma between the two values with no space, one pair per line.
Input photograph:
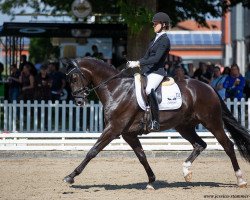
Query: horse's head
[77,80]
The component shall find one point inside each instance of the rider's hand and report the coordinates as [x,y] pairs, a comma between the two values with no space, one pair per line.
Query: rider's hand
[132,64]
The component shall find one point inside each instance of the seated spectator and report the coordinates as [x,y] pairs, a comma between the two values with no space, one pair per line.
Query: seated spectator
[43,84]
[57,81]
[217,82]
[234,83]
[14,85]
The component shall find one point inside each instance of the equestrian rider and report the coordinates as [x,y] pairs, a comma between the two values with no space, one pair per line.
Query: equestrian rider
[152,64]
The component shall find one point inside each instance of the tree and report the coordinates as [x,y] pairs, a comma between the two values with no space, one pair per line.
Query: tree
[135,13]
[41,50]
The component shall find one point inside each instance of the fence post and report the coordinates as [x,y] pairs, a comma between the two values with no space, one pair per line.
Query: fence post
[28,115]
[35,115]
[49,115]
[6,115]
[14,116]
[71,105]
[91,116]
[63,115]
[21,116]
[100,117]
[42,116]
[56,115]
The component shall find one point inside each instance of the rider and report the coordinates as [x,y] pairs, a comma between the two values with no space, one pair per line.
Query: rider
[152,64]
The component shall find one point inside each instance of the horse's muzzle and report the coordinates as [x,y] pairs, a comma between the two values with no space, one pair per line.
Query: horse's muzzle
[79,101]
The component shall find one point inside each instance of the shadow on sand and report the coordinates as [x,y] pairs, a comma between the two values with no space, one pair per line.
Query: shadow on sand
[157,185]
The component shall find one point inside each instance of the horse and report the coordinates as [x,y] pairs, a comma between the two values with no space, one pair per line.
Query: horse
[122,115]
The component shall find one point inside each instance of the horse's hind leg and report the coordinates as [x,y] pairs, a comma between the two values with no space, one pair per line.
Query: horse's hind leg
[199,145]
[135,144]
[228,146]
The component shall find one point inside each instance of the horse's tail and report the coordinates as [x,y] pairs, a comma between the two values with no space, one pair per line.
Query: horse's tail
[239,134]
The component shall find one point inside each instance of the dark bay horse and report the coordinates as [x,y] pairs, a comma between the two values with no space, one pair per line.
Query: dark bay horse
[123,115]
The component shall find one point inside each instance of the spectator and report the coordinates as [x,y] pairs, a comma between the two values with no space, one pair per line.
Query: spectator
[58,81]
[43,84]
[247,78]
[203,74]
[226,71]
[191,69]
[234,83]
[14,85]
[23,61]
[217,82]
[27,81]
[95,51]
[1,71]
[179,73]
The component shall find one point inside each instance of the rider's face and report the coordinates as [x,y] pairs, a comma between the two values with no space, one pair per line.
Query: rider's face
[157,27]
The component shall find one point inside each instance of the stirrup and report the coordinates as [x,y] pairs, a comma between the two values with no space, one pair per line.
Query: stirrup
[154,126]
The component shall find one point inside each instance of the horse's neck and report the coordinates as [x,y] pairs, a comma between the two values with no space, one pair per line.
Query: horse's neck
[114,90]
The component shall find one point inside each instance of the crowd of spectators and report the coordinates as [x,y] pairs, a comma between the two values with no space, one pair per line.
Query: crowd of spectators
[227,81]
[26,82]
[48,82]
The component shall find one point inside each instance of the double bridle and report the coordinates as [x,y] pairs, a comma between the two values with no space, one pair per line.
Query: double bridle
[85,91]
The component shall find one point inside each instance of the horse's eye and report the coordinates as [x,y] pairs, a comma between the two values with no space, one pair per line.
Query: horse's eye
[74,78]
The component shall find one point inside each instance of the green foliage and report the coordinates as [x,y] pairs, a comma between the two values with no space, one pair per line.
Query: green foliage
[41,50]
[135,17]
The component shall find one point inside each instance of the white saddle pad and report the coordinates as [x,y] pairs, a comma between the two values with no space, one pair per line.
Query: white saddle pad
[171,95]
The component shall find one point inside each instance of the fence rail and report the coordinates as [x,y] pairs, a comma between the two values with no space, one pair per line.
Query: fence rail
[27,117]
[84,141]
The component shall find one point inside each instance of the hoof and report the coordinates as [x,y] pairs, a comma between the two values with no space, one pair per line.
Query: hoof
[243,185]
[150,187]
[69,180]
[188,177]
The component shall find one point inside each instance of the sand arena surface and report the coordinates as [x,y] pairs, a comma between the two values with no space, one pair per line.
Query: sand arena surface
[119,177]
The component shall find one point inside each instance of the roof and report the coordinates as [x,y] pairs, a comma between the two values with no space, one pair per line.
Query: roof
[194,26]
[78,30]
[185,38]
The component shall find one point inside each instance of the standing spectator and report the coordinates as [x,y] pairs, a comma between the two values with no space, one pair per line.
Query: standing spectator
[58,81]
[226,71]
[27,81]
[23,61]
[217,82]
[14,85]
[234,83]
[1,71]
[43,84]
[191,69]
[95,51]
[203,74]
[247,78]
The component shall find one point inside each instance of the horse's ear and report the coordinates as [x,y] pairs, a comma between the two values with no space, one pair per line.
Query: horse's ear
[65,61]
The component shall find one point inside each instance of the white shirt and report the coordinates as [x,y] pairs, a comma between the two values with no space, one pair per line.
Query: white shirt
[159,35]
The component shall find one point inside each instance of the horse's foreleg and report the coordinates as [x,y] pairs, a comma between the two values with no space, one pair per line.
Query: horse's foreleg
[135,144]
[198,144]
[106,137]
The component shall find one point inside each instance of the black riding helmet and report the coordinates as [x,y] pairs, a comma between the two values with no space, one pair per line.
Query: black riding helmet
[161,17]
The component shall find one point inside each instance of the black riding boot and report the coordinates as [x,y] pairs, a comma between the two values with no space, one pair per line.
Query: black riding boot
[155,126]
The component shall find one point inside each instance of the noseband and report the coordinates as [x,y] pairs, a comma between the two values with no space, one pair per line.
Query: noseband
[85,91]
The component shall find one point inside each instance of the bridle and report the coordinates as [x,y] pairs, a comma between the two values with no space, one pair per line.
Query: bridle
[85,91]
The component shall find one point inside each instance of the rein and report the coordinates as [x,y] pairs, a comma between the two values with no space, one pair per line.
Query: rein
[86,91]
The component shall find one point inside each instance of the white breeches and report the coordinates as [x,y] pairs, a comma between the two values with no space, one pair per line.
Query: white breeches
[153,82]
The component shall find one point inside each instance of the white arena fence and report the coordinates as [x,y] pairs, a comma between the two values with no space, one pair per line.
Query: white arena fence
[64,126]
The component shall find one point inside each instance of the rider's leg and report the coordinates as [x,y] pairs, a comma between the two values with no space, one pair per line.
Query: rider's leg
[153,82]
